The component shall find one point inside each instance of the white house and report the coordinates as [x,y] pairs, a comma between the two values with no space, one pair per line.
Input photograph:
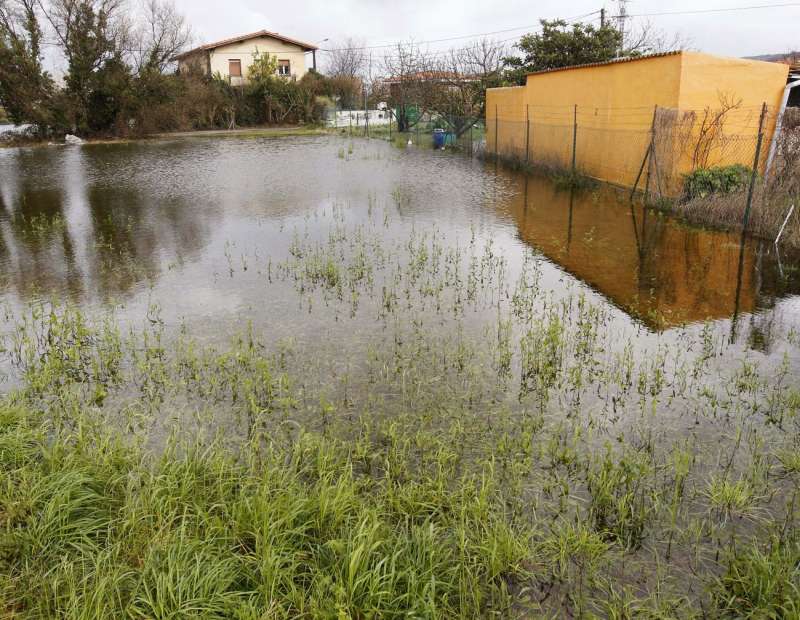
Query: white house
[232,58]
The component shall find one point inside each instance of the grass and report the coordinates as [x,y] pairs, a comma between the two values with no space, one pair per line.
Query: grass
[563,178]
[726,211]
[95,528]
[249,132]
[486,447]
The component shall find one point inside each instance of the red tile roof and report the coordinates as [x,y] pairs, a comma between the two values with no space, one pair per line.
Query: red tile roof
[253,35]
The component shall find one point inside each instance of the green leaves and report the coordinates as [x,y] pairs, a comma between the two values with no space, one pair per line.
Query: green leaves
[704,182]
[562,45]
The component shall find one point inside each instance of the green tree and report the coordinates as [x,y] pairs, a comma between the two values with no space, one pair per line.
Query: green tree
[264,68]
[92,34]
[26,90]
[562,45]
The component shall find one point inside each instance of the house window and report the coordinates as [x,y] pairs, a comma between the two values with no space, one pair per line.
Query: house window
[284,67]
[235,68]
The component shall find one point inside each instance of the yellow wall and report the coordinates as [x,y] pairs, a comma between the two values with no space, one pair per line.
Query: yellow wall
[709,81]
[508,106]
[615,108]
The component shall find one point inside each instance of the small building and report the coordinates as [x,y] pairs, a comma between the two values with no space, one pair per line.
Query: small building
[693,110]
[232,58]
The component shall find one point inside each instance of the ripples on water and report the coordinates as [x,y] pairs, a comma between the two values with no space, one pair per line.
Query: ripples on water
[193,224]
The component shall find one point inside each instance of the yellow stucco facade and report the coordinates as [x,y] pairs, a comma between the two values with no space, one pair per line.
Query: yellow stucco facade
[614,105]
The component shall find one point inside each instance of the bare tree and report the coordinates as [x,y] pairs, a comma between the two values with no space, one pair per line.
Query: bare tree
[347,58]
[452,86]
[88,28]
[462,77]
[409,85]
[647,39]
[162,34]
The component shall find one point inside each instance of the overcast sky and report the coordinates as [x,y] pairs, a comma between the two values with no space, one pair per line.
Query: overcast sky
[740,33]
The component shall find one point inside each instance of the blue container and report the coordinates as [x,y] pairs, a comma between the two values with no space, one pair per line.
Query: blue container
[439,138]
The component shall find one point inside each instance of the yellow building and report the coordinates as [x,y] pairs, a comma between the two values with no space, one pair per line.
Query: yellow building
[697,110]
[233,57]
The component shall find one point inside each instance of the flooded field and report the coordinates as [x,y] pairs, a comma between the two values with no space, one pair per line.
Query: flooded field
[607,397]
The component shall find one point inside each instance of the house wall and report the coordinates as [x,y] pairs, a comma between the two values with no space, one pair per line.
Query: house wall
[245,51]
[615,112]
[194,62]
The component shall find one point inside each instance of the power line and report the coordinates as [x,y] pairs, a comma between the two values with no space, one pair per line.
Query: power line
[465,36]
[722,10]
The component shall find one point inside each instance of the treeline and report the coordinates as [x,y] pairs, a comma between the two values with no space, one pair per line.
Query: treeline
[119,75]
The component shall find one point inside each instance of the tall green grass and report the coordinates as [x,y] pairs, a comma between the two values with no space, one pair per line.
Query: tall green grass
[485,448]
[95,528]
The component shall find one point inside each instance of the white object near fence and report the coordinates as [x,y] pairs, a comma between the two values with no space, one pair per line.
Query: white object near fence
[358,118]
[786,221]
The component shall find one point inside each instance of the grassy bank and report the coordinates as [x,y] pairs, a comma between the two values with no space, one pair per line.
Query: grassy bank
[726,211]
[241,133]
[537,463]
[563,178]
[249,132]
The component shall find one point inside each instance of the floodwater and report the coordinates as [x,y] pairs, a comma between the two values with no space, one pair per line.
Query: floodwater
[192,228]
[408,293]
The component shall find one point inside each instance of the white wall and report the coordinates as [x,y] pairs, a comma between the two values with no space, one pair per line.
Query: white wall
[343,118]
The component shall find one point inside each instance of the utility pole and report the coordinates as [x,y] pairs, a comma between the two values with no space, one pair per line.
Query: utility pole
[603,17]
[621,21]
[366,114]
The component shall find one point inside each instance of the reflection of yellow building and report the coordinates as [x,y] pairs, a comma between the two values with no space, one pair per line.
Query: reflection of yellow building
[654,268]
[614,107]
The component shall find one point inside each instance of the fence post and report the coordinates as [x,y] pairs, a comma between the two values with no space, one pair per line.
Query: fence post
[574,138]
[646,158]
[527,133]
[754,174]
[652,153]
[471,143]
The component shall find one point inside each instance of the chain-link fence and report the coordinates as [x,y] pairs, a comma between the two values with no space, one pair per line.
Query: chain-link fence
[650,149]
[430,130]
[653,149]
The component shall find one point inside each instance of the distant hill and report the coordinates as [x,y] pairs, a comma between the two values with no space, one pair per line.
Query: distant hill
[775,57]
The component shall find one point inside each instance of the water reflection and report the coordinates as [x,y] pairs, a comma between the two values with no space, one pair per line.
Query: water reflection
[654,267]
[114,222]
[69,227]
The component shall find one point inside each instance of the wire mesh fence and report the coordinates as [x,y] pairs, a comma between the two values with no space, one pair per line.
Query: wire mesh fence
[429,130]
[650,149]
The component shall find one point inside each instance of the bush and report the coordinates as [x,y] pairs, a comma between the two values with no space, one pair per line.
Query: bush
[717,180]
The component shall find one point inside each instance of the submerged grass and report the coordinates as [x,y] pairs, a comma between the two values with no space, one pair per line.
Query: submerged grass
[563,178]
[485,448]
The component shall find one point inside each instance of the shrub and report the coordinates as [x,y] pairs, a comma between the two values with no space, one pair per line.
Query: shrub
[716,180]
